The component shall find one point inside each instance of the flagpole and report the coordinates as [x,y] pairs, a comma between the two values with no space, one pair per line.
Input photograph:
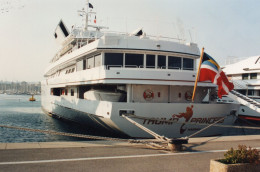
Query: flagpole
[198,74]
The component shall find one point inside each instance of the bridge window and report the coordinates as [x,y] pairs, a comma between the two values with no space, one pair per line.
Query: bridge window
[134,60]
[253,75]
[161,62]
[174,62]
[150,61]
[188,64]
[244,76]
[114,59]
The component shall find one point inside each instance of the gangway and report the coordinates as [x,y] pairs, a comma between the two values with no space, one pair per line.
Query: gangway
[244,100]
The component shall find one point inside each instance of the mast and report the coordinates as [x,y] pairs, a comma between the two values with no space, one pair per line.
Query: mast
[86,22]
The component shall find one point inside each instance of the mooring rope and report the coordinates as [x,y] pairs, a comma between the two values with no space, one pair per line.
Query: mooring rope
[65,134]
[205,128]
[149,142]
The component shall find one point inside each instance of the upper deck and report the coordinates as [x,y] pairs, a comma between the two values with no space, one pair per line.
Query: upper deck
[122,59]
[136,57]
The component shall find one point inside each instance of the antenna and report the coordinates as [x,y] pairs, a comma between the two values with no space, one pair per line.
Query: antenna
[190,36]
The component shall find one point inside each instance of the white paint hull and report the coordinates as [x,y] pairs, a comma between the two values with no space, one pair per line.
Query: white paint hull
[106,114]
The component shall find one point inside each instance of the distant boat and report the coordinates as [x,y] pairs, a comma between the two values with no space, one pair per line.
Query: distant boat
[32,99]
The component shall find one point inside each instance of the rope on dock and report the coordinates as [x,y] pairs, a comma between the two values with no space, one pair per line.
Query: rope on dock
[65,134]
[148,142]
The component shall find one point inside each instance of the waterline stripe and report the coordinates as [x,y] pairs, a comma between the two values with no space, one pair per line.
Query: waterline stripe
[112,157]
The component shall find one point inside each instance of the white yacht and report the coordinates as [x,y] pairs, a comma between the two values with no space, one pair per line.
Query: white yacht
[97,77]
[245,74]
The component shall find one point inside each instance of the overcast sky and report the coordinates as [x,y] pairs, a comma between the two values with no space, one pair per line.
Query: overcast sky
[226,28]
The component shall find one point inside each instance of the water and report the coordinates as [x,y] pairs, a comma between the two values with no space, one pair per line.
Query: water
[17,110]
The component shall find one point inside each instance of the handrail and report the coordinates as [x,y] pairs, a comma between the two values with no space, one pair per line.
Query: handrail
[109,66]
[237,84]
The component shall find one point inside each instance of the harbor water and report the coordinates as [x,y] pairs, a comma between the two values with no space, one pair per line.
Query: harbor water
[18,111]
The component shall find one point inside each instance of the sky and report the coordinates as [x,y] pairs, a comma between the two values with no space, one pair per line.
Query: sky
[225,28]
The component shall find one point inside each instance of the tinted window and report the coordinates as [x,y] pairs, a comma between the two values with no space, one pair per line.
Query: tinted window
[114,59]
[84,64]
[150,61]
[174,62]
[250,92]
[134,60]
[188,64]
[253,75]
[242,92]
[245,76]
[161,62]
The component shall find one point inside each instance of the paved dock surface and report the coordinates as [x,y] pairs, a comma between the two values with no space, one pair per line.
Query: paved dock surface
[116,156]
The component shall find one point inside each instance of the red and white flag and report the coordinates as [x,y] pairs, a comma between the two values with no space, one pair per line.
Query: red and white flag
[210,71]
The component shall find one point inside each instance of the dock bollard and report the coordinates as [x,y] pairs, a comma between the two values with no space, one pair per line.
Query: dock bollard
[175,145]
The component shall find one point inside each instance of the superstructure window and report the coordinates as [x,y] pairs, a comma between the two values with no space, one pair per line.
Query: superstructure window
[242,92]
[250,92]
[72,92]
[150,61]
[134,60]
[84,64]
[161,62]
[114,59]
[56,91]
[244,76]
[253,75]
[188,64]
[174,62]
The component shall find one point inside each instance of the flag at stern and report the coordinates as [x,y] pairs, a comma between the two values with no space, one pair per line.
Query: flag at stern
[211,71]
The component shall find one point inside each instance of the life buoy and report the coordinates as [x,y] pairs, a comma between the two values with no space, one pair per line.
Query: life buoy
[148,94]
[188,95]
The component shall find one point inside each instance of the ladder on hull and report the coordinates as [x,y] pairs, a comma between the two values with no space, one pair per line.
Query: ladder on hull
[244,100]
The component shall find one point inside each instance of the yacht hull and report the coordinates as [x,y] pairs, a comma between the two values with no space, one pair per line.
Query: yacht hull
[172,120]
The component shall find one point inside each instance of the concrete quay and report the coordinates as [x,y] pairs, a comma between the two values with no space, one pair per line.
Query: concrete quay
[117,156]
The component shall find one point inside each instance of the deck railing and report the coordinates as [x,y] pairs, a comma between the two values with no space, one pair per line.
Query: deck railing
[107,67]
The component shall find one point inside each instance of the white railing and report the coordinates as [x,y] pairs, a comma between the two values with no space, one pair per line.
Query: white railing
[108,67]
